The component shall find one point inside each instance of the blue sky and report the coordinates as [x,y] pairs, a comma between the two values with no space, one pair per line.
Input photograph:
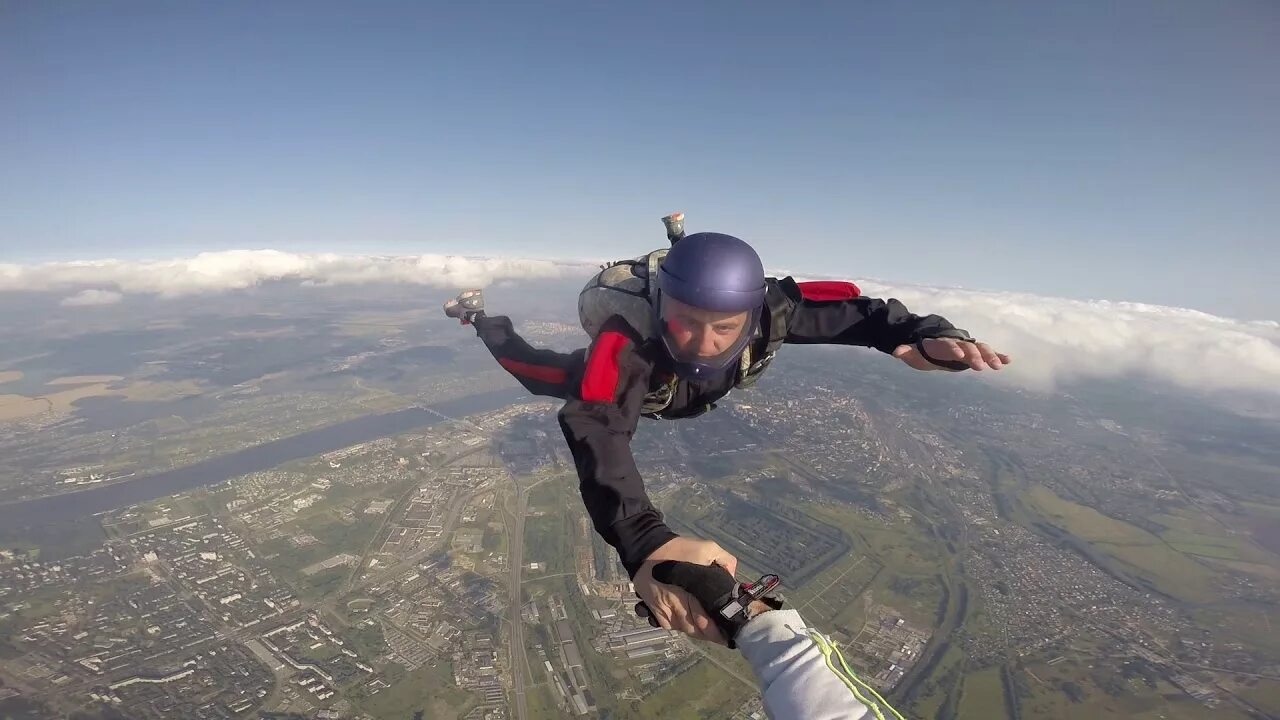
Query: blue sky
[1087,149]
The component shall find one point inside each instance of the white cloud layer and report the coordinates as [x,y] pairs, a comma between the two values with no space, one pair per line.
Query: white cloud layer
[92,296]
[239,269]
[1056,339]
[1051,339]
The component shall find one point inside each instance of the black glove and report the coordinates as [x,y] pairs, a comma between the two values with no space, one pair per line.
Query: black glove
[952,365]
[712,586]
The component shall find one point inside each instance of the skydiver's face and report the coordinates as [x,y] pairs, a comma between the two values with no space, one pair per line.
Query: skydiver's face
[697,333]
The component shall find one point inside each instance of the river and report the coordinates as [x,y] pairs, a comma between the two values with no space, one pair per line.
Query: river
[86,503]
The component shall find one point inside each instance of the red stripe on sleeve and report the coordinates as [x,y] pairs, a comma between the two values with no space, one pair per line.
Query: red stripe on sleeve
[825,290]
[555,376]
[600,381]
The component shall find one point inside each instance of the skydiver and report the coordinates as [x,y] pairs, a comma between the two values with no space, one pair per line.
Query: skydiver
[672,333]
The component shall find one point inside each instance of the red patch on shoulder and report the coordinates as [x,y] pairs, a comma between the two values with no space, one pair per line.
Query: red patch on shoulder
[827,290]
[600,381]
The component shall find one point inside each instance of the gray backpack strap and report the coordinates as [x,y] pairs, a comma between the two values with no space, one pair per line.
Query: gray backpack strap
[654,262]
[778,305]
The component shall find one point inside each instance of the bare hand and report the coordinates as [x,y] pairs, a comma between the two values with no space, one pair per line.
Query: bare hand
[673,607]
[976,355]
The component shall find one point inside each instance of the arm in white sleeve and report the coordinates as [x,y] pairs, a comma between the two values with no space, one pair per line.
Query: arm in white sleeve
[801,677]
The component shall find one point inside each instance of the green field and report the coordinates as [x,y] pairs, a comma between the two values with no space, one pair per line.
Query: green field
[19,708]
[1208,550]
[834,597]
[1263,509]
[902,545]
[495,538]
[429,690]
[334,535]
[983,695]
[1165,702]
[541,703]
[1085,522]
[1265,694]
[367,641]
[1129,549]
[940,688]
[702,692]
[1255,626]
[546,540]
[323,583]
[899,567]
[1269,571]
[915,597]
[548,495]
[1203,537]
[32,607]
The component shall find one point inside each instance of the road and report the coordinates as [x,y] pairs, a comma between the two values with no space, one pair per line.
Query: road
[515,555]
[515,539]
[514,521]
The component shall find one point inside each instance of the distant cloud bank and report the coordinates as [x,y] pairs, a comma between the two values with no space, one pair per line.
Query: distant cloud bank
[1052,339]
[239,269]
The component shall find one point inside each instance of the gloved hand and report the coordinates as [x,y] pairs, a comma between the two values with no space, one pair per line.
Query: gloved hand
[675,608]
[954,354]
[713,587]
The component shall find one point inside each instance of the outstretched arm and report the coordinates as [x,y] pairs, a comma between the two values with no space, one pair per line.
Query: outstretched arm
[837,313]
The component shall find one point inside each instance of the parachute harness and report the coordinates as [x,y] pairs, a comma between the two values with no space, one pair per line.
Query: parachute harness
[832,655]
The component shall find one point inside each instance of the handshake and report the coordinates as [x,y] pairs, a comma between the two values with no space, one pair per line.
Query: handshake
[688,585]
[685,584]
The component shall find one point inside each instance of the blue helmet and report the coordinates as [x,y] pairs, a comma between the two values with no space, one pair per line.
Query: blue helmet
[713,279]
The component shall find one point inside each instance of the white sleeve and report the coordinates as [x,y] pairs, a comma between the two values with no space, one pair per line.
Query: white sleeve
[796,681]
